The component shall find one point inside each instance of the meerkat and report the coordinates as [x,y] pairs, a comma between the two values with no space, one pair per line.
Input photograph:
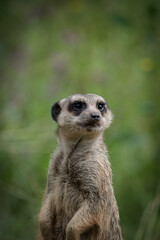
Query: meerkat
[79,202]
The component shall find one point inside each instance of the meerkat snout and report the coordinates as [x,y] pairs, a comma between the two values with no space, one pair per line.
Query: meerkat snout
[95,116]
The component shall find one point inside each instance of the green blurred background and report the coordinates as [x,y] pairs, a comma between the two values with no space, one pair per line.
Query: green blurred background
[52,49]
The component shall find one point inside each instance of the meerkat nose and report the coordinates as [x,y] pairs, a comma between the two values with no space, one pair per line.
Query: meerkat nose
[95,116]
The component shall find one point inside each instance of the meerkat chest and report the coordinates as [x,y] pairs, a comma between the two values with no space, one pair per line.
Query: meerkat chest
[87,172]
[82,177]
[66,196]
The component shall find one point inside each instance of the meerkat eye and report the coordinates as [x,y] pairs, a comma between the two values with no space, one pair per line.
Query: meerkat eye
[101,106]
[78,106]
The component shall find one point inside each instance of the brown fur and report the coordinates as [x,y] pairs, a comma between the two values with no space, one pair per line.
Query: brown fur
[79,202]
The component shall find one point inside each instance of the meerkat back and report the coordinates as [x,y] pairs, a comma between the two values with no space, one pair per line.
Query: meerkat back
[79,202]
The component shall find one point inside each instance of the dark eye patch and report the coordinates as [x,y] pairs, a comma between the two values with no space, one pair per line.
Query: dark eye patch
[101,106]
[77,107]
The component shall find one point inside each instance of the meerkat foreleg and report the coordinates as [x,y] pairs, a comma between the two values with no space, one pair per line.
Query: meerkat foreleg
[81,222]
[46,218]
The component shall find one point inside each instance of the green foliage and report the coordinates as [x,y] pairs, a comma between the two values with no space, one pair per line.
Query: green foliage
[50,50]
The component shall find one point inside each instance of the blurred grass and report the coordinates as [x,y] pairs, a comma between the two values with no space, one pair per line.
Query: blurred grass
[50,50]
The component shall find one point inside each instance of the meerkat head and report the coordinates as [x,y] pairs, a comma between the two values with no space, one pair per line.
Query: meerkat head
[82,114]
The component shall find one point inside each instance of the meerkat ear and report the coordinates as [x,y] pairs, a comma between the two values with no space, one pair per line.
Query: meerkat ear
[56,109]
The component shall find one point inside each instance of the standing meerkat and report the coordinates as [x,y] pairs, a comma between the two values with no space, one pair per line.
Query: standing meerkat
[79,203]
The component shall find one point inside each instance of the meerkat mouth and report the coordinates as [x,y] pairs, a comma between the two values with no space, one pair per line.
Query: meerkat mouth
[92,124]
[89,125]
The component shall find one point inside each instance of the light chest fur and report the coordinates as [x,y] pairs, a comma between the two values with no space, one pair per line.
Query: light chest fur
[77,175]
